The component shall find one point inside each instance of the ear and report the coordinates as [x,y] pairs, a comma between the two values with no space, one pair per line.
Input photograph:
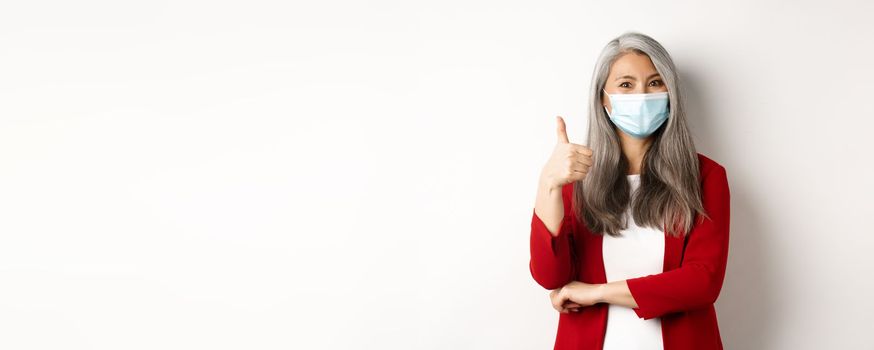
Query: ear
[604,101]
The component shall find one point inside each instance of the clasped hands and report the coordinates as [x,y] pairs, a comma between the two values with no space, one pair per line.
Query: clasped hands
[576,295]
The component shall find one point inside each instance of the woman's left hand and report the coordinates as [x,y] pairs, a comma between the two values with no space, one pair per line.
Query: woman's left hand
[574,296]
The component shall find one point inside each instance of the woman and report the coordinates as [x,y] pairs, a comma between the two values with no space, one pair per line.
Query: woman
[634,252]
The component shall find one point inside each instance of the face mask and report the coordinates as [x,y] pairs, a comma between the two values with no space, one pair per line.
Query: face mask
[638,115]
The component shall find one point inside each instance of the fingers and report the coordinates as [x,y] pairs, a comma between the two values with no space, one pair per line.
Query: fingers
[561,303]
[578,164]
[579,169]
[578,154]
[569,161]
[556,306]
[570,307]
[581,149]
[562,130]
[556,299]
[573,309]
[562,138]
[582,160]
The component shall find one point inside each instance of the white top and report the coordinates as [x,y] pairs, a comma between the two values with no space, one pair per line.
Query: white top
[639,252]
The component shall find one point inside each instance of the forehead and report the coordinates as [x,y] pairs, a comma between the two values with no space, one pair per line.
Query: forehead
[633,64]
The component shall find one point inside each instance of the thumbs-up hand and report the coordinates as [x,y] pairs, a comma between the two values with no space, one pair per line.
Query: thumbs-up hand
[569,161]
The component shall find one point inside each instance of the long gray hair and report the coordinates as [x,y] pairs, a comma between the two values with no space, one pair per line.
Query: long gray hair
[670,192]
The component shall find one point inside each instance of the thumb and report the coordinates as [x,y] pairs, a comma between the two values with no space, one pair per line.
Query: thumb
[562,131]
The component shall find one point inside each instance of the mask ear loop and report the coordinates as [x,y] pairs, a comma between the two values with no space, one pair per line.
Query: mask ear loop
[611,101]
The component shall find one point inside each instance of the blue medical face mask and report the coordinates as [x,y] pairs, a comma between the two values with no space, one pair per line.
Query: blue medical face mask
[639,115]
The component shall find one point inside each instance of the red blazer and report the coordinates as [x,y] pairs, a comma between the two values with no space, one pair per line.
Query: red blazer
[682,296]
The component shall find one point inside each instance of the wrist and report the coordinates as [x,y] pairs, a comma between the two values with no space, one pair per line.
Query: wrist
[549,187]
[602,291]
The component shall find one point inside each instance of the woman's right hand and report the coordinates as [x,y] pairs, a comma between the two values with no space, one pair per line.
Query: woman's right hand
[569,161]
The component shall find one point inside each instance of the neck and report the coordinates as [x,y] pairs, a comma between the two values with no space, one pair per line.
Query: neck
[634,149]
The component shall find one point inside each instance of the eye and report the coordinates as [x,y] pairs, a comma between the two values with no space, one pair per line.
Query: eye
[625,85]
[655,83]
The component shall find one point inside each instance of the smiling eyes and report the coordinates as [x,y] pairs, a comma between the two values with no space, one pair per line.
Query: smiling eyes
[655,82]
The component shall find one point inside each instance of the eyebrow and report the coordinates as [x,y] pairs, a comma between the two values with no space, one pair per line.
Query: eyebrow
[633,78]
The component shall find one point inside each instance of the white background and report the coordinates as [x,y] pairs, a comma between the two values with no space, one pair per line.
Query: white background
[361,175]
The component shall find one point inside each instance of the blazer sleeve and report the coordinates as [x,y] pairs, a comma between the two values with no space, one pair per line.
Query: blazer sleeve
[697,282]
[552,257]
